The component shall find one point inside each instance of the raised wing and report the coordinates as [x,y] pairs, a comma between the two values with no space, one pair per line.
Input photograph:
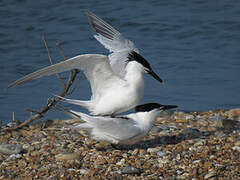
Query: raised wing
[95,66]
[112,40]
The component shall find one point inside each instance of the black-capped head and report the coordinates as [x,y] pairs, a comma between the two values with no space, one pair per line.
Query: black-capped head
[134,56]
[151,106]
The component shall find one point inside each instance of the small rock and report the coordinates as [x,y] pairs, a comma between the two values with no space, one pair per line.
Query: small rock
[14,156]
[217,120]
[182,117]
[191,133]
[193,148]
[83,171]
[121,162]
[201,142]
[212,128]
[189,117]
[161,154]
[234,114]
[163,127]
[207,165]
[212,173]
[22,163]
[28,147]
[181,120]
[67,156]
[162,161]
[211,157]
[219,134]
[236,148]
[45,124]
[131,170]
[44,168]
[100,160]
[178,157]
[206,133]
[13,124]
[185,175]
[159,128]
[11,148]
[26,133]
[152,150]
[125,155]
[197,161]
[229,124]
[141,152]
[135,152]
[237,143]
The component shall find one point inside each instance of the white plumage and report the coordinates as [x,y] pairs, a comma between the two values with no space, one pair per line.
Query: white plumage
[116,80]
[127,129]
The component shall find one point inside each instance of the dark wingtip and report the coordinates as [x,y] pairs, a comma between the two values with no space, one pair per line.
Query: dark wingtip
[87,11]
[89,14]
[150,106]
[12,84]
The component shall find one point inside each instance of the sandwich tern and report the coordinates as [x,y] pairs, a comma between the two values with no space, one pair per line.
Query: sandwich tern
[116,80]
[126,129]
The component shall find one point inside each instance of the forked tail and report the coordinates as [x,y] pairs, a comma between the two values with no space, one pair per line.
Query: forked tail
[84,104]
[75,115]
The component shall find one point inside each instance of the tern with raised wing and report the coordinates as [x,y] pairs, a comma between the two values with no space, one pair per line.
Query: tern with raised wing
[116,80]
[127,129]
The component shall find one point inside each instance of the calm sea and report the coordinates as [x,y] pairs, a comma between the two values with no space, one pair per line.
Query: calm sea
[193,45]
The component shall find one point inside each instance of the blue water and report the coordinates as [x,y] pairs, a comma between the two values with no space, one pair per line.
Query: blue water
[193,45]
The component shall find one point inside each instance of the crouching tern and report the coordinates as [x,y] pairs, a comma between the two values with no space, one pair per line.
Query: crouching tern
[127,129]
[116,80]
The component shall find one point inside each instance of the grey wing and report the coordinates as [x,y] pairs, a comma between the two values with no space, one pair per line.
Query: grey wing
[112,40]
[95,66]
[119,128]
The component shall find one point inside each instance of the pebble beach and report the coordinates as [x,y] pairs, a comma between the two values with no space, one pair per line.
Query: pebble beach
[181,145]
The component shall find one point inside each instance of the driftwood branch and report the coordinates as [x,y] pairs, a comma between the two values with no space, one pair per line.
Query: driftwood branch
[39,114]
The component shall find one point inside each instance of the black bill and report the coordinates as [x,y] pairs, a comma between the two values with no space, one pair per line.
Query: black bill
[153,74]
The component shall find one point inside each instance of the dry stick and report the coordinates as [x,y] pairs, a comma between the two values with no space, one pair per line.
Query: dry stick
[61,50]
[40,114]
[72,71]
[76,84]
[51,62]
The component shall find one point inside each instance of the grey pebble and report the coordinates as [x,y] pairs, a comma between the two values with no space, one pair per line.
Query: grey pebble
[219,134]
[192,132]
[131,170]
[11,148]
[159,128]
[161,154]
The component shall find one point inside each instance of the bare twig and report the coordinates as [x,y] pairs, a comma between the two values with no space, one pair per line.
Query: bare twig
[76,84]
[72,71]
[50,104]
[51,62]
[61,50]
